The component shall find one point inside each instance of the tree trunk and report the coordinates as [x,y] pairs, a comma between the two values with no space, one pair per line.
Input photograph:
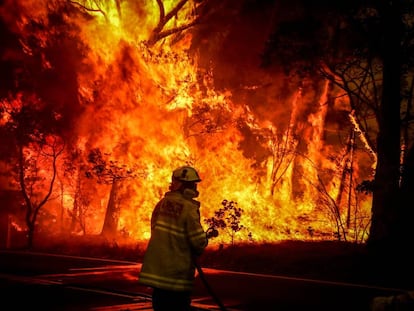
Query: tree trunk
[110,226]
[75,215]
[385,203]
[406,208]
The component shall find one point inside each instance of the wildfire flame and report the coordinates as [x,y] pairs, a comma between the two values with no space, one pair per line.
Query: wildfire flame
[150,105]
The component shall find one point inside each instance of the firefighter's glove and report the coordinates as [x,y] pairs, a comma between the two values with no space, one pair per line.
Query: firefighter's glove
[211,233]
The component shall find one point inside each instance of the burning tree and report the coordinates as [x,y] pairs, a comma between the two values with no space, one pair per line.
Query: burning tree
[364,50]
[113,174]
[33,111]
[36,153]
[149,83]
[73,181]
[32,180]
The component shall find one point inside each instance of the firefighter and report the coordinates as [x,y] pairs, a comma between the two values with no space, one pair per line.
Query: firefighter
[177,239]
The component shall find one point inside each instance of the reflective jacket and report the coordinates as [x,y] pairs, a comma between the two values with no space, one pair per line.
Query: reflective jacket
[176,237]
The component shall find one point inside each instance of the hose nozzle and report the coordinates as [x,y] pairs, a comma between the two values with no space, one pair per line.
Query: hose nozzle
[212,233]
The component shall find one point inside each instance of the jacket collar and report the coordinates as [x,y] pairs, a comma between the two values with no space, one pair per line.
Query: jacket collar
[188,194]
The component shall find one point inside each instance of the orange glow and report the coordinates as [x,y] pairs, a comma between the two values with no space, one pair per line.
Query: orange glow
[153,108]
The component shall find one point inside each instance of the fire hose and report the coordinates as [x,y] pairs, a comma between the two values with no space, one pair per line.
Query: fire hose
[211,232]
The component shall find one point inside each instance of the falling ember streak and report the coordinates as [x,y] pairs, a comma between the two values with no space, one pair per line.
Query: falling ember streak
[364,140]
[152,107]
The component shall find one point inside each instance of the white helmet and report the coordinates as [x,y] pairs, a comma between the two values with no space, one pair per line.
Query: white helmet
[186,173]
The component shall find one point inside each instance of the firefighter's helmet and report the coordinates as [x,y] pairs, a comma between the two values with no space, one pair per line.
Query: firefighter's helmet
[186,173]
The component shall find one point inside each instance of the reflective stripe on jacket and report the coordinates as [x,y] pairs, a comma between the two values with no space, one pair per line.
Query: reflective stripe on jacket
[176,237]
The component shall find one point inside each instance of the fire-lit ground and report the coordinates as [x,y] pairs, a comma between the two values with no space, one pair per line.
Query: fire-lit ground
[139,88]
[56,282]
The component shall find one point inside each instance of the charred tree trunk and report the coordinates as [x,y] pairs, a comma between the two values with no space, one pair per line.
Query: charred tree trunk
[30,210]
[385,205]
[110,226]
[350,169]
[406,210]
[407,197]
[345,171]
[76,214]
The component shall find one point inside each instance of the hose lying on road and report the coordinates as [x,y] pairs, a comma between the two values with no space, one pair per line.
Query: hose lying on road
[208,287]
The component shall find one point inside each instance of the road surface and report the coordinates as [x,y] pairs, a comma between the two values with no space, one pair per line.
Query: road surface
[67,283]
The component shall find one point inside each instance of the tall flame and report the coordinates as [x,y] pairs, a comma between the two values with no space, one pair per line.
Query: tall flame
[153,107]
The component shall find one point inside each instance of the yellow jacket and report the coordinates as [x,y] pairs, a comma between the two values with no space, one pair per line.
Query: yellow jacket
[176,237]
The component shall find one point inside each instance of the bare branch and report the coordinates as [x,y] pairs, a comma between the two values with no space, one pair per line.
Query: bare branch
[158,33]
[98,10]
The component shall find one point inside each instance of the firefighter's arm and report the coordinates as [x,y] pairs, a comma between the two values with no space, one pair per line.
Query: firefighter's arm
[196,234]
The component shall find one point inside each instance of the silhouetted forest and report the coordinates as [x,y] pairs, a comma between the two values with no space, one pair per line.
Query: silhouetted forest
[300,111]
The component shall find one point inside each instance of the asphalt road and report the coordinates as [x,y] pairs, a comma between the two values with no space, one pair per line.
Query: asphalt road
[66,283]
